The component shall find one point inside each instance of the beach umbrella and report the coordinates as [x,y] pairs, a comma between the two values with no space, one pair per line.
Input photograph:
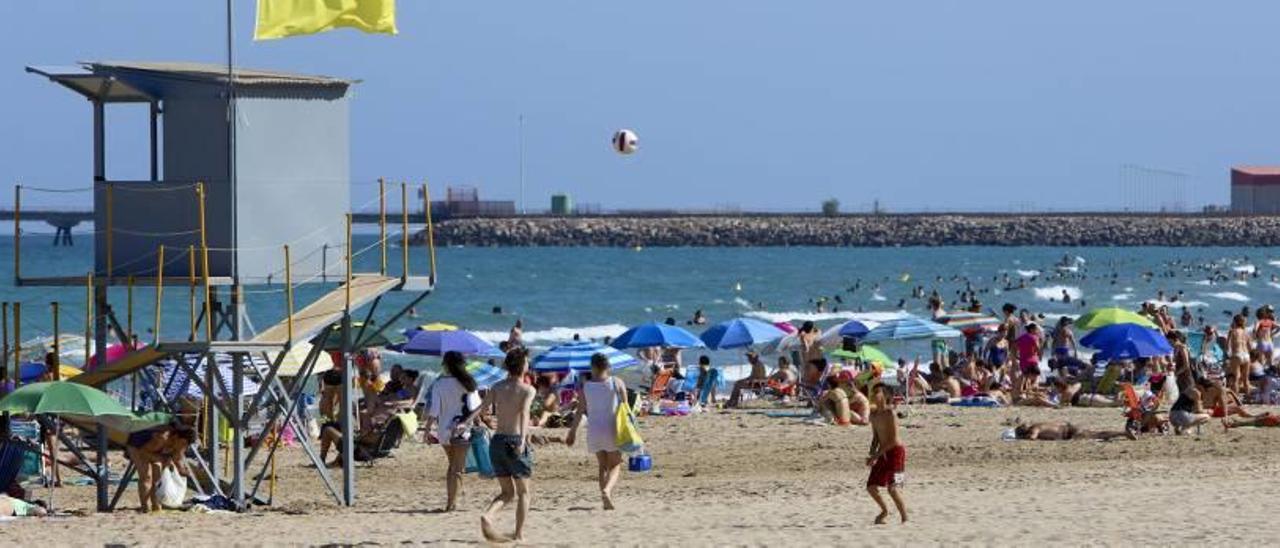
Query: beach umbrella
[334,342]
[437,343]
[437,326]
[855,329]
[970,322]
[114,352]
[62,398]
[867,353]
[291,366]
[577,357]
[177,382]
[485,373]
[739,333]
[136,423]
[1109,316]
[909,328]
[656,334]
[786,327]
[1127,341]
[32,371]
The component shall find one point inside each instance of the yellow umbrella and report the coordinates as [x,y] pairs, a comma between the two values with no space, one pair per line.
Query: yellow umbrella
[292,364]
[438,326]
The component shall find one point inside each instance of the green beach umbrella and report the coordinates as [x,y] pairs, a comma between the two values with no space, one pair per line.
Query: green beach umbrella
[867,353]
[137,423]
[1102,317]
[63,398]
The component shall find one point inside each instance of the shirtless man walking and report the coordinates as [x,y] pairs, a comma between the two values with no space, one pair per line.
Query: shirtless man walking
[887,456]
[509,448]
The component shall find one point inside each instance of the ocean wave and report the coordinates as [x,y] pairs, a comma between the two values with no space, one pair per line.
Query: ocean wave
[877,297]
[1274,263]
[742,302]
[1274,284]
[1201,282]
[1245,268]
[558,334]
[1054,292]
[1241,283]
[1122,297]
[1028,273]
[775,317]
[1229,296]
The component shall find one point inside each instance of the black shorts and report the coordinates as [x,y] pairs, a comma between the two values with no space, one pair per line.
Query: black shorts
[508,462]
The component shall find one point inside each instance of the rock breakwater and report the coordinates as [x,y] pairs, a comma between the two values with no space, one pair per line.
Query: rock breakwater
[862,231]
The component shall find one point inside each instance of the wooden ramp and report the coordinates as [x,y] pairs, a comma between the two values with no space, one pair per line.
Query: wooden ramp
[328,309]
[122,367]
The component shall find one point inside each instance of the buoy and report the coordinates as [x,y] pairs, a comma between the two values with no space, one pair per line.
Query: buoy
[625,141]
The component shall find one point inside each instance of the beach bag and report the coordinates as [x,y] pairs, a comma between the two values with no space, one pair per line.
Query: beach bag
[628,435]
[172,490]
[478,460]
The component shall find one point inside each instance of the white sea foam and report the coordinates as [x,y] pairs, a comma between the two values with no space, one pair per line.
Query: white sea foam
[1202,282]
[1069,268]
[742,302]
[1055,292]
[877,297]
[1177,304]
[1274,284]
[1028,273]
[794,316]
[1122,297]
[558,334]
[1245,268]
[1243,283]
[1274,263]
[1229,296]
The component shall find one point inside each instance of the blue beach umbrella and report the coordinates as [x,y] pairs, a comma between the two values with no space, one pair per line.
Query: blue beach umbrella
[856,329]
[739,333]
[436,343]
[577,357]
[656,334]
[910,327]
[1127,341]
[485,374]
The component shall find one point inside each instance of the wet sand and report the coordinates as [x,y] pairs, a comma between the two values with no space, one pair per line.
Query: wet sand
[741,478]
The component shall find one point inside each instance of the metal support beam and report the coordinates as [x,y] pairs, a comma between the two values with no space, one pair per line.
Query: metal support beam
[155,141]
[348,404]
[237,432]
[103,479]
[99,142]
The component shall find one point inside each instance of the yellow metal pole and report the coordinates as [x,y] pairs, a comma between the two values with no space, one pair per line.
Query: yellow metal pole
[17,344]
[191,287]
[159,293]
[57,348]
[109,230]
[204,269]
[348,284]
[17,233]
[288,293]
[382,223]
[431,237]
[404,229]
[88,317]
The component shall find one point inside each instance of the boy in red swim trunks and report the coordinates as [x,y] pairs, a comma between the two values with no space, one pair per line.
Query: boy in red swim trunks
[888,456]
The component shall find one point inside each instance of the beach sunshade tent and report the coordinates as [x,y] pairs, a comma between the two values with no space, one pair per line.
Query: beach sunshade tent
[1126,341]
[62,398]
[656,334]
[1102,317]
[485,374]
[909,328]
[437,343]
[868,354]
[577,357]
[970,322]
[740,333]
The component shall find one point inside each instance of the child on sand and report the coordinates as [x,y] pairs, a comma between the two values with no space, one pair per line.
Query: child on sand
[888,456]
[509,448]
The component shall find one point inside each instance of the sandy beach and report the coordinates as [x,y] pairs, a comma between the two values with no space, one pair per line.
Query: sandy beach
[742,478]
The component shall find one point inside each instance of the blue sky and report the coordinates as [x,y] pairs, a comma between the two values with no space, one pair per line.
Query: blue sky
[758,104]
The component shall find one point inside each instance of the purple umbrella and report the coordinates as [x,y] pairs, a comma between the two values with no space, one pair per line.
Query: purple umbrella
[436,343]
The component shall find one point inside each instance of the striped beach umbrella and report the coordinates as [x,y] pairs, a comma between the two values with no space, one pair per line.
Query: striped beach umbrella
[908,328]
[577,357]
[485,374]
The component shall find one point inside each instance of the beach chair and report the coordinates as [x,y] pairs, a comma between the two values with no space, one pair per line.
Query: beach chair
[1135,412]
[661,381]
[12,456]
[384,443]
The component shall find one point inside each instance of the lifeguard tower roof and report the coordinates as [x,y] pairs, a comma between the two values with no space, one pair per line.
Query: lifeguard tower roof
[291,163]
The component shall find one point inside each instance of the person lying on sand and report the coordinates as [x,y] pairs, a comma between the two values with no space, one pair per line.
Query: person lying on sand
[1264,420]
[15,507]
[1223,402]
[1062,430]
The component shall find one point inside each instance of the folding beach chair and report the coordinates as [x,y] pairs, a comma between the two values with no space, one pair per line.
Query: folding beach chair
[384,443]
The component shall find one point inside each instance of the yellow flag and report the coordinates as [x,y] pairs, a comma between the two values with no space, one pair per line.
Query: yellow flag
[284,18]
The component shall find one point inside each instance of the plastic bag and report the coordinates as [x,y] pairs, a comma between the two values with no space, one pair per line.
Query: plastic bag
[478,454]
[172,490]
[629,440]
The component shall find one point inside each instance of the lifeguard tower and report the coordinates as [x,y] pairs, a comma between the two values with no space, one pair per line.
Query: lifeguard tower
[262,203]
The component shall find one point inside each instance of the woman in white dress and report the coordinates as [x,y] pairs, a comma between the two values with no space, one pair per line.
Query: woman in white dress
[454,405]
[598,401]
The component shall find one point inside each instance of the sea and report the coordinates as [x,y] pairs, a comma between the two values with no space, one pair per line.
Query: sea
[592,293]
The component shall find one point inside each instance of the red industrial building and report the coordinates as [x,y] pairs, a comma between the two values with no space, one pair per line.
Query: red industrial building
[1255,190]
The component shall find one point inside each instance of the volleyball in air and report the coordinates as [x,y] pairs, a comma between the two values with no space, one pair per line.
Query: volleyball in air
[625,141]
